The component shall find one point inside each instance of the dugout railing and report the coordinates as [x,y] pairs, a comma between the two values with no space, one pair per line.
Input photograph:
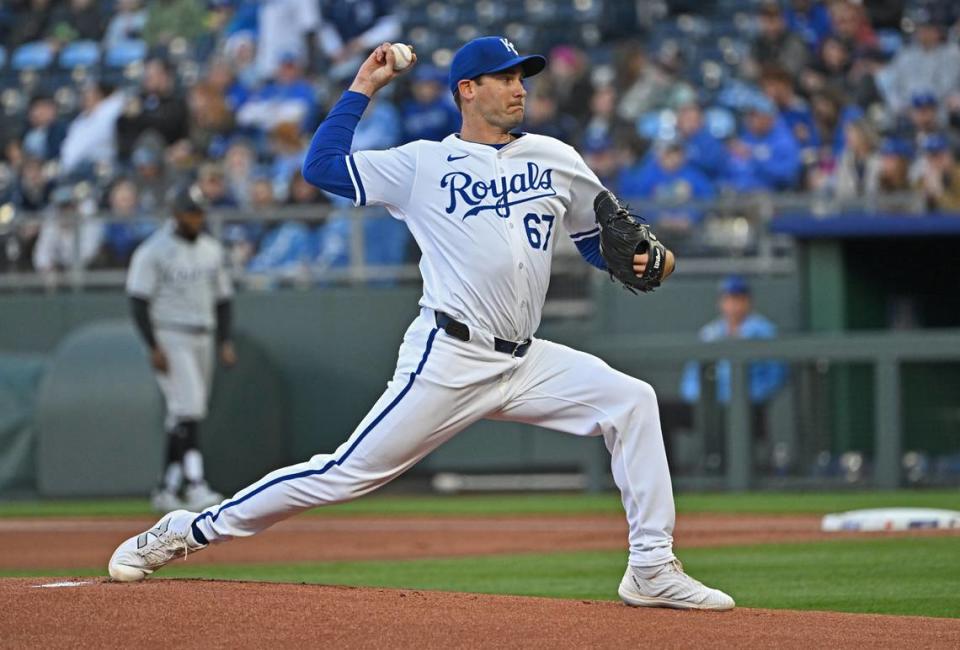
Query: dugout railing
[885,352]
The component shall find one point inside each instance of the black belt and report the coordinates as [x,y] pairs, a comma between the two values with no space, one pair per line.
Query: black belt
[459,330]
[183,327]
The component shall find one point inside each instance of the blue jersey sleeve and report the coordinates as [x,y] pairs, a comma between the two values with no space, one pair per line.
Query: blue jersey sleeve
[589,247]
[326,161]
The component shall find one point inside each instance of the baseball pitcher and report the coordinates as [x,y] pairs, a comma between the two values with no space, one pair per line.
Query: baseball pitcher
[180,295]
[486,206]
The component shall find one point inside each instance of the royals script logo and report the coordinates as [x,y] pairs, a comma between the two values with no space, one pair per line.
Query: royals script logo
[497,194]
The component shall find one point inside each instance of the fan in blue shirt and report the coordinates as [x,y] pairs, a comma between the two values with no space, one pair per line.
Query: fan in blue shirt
[430,114]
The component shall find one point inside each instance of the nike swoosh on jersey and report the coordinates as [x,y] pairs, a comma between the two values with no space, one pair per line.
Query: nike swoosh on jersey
[452,158]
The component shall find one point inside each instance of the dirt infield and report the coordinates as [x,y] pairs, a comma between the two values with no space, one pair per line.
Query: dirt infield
[41,543]
[194,614]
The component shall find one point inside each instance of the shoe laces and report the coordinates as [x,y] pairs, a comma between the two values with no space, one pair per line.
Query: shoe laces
[167,546]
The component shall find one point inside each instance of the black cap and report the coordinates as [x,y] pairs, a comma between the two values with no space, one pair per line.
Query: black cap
[188,199]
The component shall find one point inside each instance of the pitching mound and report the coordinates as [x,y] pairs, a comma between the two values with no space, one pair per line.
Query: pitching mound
[205,614]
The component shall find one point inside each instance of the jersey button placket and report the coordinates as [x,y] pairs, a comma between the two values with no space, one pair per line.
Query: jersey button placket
[516,249]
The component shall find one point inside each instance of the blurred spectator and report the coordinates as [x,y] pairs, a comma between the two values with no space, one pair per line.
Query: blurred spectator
[127,23]
[213,186]
[606,126]
[30,22]
[702,149]
[127,226]
[893,175]
[642,85]
[222,79]
[777,85]
[288,98]
[831,70]
[430,114]
[925,118]
[92,135]
[765,157]
[774,43]
[928,64]
[32,189]
[286,251]
[938,175]
[671,181]
[810,20]
[857,174]
[149,175]
[70,236]
[851,25]
[77,20]
[542,117]
[601,157]
[211,120]
[286,27]
[169,19]
[239,165]
[567,80]
[831,116]
[261,195]
[158,108]
[863,77]
[350,30]
[45,133]
[379,128]
[287,149]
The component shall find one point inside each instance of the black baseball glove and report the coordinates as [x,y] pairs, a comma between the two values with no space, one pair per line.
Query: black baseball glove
[621,237]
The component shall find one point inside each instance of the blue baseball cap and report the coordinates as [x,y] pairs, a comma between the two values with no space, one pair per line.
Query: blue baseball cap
[487,55]
[735,285]
[923,99]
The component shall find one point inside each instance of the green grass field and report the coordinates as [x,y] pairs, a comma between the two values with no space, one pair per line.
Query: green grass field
[550,504]
[893,576]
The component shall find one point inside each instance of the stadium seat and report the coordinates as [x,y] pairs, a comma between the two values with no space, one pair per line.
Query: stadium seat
[32,56]
[124,53]
[80,54]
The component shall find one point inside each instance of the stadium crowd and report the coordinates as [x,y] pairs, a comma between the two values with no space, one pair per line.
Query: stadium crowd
[107,105]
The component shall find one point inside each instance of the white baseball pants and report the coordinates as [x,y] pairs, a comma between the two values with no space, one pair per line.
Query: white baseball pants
[441,386]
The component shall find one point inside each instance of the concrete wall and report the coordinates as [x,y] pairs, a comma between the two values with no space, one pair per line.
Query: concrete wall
[332,350]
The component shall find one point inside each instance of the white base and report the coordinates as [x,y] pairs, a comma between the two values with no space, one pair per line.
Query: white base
[881,519]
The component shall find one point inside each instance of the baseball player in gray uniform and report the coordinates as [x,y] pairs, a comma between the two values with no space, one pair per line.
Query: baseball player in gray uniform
[485,207]
[180,295]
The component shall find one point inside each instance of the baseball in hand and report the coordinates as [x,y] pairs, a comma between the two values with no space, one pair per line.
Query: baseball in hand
[402,56]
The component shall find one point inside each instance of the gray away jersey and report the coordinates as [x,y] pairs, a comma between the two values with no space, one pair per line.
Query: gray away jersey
[183,281]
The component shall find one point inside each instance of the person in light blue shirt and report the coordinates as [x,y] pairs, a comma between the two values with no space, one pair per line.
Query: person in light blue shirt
[766,156]
[737,321]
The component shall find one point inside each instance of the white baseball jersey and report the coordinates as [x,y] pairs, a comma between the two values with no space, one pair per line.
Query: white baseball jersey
[182,280]
[486,220]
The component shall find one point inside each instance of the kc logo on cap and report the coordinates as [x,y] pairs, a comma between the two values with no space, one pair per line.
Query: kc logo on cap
[490,54]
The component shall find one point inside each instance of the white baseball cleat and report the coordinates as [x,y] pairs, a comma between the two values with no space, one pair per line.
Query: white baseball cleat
[143,554]
[667,585]
[199,497]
